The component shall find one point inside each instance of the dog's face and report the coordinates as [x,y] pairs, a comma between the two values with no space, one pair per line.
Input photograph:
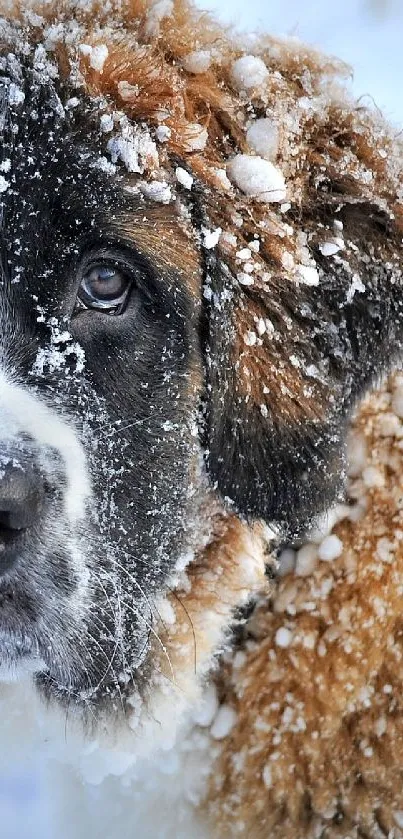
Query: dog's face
[100,380]
[128,346]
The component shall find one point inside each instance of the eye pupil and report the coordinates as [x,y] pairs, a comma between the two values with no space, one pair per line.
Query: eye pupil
[104,287]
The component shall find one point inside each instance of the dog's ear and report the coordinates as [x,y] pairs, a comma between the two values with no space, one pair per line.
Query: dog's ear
[288,357]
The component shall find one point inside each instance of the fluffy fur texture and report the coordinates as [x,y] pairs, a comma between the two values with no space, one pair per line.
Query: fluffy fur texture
[257,211]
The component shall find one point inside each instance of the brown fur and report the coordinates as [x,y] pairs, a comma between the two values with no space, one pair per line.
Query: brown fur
[319,737]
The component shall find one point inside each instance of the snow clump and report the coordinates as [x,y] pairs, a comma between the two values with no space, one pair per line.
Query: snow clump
[257,178]
[197,62]
[262,137]
[249,72]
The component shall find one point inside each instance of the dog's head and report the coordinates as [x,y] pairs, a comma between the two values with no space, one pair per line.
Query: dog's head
[177,320]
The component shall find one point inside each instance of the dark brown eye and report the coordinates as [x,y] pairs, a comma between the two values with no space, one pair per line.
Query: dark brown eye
[105,287]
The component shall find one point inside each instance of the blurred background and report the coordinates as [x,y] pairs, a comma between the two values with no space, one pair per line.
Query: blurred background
[367,34]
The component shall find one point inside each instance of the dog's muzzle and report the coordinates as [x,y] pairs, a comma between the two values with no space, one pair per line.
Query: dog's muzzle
[22,494]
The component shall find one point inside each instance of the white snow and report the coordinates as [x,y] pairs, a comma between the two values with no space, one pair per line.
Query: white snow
[283,637]
[286,562]
[159,191]
[206,709]
[356,285]
[257,178]
[3,184]
[307,559]
[224,721]
[135,148]
[197,62]
[211,237]
[106,123]
[262,137]
[245,279]
[329,248]
[15,95]
[249,72]
[98,56]
[308,275]
[163,133]
[330,548]
[183,177]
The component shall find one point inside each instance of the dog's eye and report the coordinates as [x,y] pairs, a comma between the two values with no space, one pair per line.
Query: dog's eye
[105,287]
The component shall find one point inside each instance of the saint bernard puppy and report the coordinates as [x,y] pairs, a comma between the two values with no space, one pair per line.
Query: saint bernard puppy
[201,275]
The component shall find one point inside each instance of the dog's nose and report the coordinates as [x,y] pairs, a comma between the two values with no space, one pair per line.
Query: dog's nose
[21,499]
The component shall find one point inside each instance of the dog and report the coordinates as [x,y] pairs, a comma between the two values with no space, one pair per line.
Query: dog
[201,278]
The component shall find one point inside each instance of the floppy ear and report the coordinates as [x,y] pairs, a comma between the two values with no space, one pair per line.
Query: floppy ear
[288,360]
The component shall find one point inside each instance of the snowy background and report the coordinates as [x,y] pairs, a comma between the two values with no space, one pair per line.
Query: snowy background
[368,35]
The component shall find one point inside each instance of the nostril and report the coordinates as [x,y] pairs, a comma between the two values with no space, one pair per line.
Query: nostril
[21,497]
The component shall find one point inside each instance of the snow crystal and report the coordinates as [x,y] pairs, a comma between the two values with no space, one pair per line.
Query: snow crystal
[207,707]
[85,49]
[71,103]
[244,254]
[3,184]
[257,178]
[286,562]
[267,776]
[163,133]
[249,72]
[329,248]
[158,191]
[372,477]
[104,165]
[98,56]
[211,237]
[244,279]
[262,137]
[224,721]
[15,95]
[197,62]
[307,559]
[184,178]
[135,148]
[128,91]
[283,637]
[330,548]
[356,285]
[308,275]
[222,179]
[106,123]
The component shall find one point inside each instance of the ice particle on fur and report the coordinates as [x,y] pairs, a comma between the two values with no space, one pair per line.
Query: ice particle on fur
[308,275]
[330,548]
[249,72]
[207,707]
[224,721]
[197,62]
[283,637]
[262,137]
[257,178]
[183,177]
[211,237]
[98,56]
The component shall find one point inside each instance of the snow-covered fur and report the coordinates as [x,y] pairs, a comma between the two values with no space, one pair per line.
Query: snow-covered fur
[201,277]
